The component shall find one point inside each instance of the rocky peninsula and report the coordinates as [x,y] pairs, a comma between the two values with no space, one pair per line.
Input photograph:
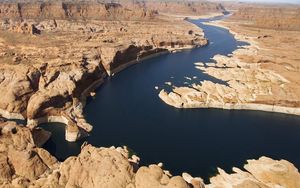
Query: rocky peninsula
[55,54]
[261,76]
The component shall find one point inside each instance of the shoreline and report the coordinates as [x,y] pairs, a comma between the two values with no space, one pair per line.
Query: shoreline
[170,98]
[133,62]
[255,106]
[156,54]
[239,37]
[73,134]
[227,106]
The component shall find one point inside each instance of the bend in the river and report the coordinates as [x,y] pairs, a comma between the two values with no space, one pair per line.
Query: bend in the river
[128,111]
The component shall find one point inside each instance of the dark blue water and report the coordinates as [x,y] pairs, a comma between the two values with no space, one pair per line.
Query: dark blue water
[127,111]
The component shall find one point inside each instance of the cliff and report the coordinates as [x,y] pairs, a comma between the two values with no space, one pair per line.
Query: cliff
[72,10]
[87,42]
[176,7]
[269,17]
[123,10]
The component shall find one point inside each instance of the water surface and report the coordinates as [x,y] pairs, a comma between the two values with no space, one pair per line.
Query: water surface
[127,111]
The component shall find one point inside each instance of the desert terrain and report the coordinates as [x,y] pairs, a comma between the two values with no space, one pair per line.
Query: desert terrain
[263,75]
[55,54]
[52,58]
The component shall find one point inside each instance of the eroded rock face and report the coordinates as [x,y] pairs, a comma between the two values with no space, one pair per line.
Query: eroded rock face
[185,7]
[154,176]
[23,164]
[19,156]
[46,77]
[271,17]
[18,83]
[71,10]
[264,173]
[25,28]
[274,173]
[94,167]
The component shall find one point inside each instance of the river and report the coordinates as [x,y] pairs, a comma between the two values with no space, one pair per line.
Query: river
[127,111]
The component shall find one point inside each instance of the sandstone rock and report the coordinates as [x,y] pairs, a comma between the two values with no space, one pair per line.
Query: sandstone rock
[25,28]
[153,176]
[246,86]
[20,82]
[274,173]
[47,158]
[94,167]
[19,155]
[264,172]
[87,41]
[6,172]
[271,17]
[27,163]
[239,179]
[185,8]
[70,10]
[40,136]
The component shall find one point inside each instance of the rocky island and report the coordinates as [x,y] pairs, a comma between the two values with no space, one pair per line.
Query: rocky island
[55,54]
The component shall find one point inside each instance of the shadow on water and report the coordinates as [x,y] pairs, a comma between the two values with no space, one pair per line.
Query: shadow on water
[128,111]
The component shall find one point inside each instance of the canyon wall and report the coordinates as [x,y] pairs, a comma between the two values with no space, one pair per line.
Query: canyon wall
[123,10]
[73,10]
[189,8]
[53,55]
[269,17]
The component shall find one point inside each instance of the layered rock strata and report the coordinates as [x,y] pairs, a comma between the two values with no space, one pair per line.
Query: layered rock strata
[80,10]
[269,17]
[24,164]
[183,8]
[51,63]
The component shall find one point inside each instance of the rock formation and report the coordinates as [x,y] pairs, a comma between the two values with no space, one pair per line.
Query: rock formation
[264,172]
[72,10]
[24,164]
[53,54]
[24,28]
[269,17]
[261,76]
[246,86]
[184,8]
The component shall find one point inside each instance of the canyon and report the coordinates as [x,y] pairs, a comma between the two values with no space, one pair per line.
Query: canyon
[51,63]
[55,54]
[261,76]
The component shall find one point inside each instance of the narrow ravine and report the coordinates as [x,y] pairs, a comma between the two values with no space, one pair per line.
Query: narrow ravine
[127,111]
